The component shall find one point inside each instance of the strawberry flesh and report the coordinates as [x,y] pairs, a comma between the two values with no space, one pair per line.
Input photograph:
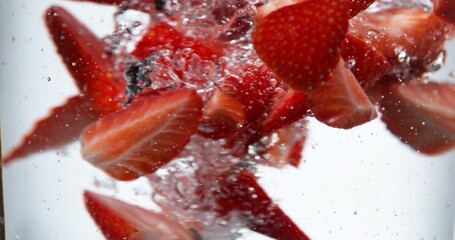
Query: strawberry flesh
[224,115]
[341,102]
[366,63]
[410,39]
[120,220]
[300,43]
[242,195]
[62,126]
[422,115]
[138,140]
[288,108]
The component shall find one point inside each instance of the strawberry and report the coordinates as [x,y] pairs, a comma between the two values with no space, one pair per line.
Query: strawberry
[341,102]
[445,9]
[287,145]
[422,115]
[411,39]
[254,87]
[357,6]
[288,108]
[241,195]
[163,36]
[138,140]
[366,63]
[223,116]
[62,126]
[120,220]
[300,43]
[159,36]
[84,56]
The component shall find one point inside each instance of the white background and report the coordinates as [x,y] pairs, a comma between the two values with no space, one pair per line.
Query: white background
[356,184]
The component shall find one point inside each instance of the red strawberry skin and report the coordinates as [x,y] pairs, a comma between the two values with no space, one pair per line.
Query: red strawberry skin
[445,9]
[421,115]
[242,194]
[300,43]
[164,36]
[341,102]
[356,6]
[62,126]
[118,220]
[368,64]
[255,88]
[159,36]
[138,140]
[84,56]
[290,107]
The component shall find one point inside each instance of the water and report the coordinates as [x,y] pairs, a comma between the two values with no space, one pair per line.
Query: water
[391,190]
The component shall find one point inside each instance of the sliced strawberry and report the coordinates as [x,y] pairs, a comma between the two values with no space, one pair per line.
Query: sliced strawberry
[224,115]
[290,107]
[367,64]
[341,102]
[120,220]
[62,126]
[242,195]
[445,9]
[164,36]
[287,145]
[254,87]
[84,56]
[411,39]
[356,6]
[159,36]
[138,140]
[421,115]
[300,43]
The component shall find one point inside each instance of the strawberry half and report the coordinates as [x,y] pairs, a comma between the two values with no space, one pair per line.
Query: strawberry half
[254,87]
[411,39]
[84,56]
[224,115]
[287,145]
[242,195]
[341,102]
[290,107]
[366,63]
[445,9]
[422,115]
[62,126]
[164,36]
[159,36]
[119,220]
[300,43]
[138,140]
